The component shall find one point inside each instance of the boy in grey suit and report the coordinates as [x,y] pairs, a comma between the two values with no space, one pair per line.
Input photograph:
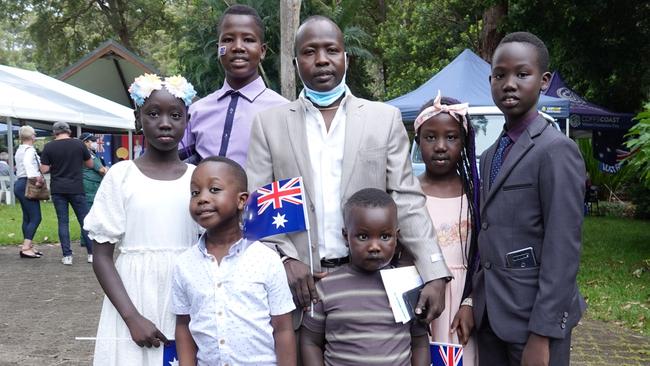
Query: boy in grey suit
[526,299]
[340,144]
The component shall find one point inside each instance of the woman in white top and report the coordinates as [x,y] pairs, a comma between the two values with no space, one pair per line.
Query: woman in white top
[27,164]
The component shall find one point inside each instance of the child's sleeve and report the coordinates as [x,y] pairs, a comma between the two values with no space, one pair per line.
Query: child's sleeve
[316,323]
[106,221]
[180,301]
[277,287]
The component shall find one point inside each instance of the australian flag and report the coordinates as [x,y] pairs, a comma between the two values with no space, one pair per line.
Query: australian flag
[170,357]
[445,354]
[276,208]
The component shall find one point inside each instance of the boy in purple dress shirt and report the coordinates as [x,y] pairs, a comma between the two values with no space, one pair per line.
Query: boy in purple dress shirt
[220,123]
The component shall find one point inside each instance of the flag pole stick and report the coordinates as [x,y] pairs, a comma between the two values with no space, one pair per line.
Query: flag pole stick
[311,258]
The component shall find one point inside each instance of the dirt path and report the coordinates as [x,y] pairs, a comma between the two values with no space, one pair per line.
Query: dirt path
[44,305]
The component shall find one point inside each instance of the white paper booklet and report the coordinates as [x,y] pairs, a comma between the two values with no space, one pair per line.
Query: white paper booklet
[397,281]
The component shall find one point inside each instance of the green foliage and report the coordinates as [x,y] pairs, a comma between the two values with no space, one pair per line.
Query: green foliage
[640,197]
[601,47]
[614,274]
[59,32]
[639,144]
[15,47]
[611,185]
[419,38]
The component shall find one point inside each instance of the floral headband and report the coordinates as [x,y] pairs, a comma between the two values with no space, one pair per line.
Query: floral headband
[177,86]
[457,111]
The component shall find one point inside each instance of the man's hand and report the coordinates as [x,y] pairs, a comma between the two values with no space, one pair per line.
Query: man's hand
[301,282]
[432,300]
[463,323]
[536,352]
[144,333]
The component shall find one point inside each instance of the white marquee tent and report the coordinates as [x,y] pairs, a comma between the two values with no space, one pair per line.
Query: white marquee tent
[35,97]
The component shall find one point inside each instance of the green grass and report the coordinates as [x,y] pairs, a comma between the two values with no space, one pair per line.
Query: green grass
[614,274]
[11,221]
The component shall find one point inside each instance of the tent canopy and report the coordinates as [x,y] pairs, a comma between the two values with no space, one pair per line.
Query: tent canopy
[466,79]
[30,95]
[585,115]
[107,71]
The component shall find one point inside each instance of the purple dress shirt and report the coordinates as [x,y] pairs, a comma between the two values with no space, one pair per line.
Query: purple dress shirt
[517,131]
[208,117]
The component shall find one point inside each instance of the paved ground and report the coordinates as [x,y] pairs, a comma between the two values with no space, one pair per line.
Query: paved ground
[45,305]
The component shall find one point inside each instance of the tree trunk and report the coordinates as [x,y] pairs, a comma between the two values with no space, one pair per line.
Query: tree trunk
[289,21]
[490,34]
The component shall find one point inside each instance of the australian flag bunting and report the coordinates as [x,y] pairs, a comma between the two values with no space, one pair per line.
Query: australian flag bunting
[169,354]
[445,354]
[276,208]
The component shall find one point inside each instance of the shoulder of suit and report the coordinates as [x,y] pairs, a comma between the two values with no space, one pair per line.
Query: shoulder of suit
[375,105]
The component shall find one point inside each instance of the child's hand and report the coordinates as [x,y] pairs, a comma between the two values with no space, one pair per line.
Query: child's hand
[144,333]
[536,352]
[463,323]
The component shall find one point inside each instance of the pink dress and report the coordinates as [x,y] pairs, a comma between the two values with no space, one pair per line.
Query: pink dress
[445,213]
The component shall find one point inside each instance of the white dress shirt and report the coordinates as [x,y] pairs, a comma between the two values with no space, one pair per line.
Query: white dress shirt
[326,157]
[230,304]
[27,162]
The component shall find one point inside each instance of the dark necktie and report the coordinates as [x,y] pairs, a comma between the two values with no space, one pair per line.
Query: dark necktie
[230,115]
[497,161]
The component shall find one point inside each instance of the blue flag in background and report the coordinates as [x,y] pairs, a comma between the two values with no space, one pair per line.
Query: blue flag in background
[170,358]
[276,208]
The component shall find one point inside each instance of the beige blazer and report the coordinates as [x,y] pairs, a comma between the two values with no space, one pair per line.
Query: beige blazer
[376,155]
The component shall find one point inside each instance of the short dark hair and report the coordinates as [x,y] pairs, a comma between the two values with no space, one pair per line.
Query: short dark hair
[313,18]
[533,40]
[368,197]
[238,172]
[240,9]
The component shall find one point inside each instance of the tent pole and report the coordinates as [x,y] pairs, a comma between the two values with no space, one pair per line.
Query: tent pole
[566,123]
[10,148]
[130,145]
[78,131]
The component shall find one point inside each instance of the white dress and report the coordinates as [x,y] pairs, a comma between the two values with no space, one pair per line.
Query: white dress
[150,223]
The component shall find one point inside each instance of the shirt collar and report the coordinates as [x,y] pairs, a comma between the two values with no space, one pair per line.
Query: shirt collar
[236,249]
[251,91]
[519,129]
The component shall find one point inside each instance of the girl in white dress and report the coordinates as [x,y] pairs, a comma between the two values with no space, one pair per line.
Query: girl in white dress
[450,181]
[141,208]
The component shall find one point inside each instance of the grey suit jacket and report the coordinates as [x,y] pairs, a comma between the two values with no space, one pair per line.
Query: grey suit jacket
[375,155]
[535,201]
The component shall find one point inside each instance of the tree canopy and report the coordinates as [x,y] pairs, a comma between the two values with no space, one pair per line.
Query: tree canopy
[599,46]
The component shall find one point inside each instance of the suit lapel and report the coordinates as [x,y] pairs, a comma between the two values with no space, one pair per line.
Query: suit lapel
[517,152]
[354,129]
[295,123]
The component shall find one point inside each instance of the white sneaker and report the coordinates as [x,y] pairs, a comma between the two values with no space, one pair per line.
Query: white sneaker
[90,258]
[67,260]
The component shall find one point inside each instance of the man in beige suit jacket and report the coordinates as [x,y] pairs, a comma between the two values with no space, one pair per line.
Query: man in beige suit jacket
[375,154]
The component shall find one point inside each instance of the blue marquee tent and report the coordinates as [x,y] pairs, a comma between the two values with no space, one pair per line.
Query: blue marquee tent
[466,79]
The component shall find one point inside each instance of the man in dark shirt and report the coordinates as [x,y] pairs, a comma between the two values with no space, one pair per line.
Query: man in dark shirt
[63,158]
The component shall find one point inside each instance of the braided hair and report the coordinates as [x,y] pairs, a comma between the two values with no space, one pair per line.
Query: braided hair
[471,185]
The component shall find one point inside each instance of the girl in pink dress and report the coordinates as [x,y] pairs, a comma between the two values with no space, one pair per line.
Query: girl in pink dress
[450,182]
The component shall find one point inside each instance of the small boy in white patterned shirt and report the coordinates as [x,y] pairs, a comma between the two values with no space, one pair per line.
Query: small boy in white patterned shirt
[230,296]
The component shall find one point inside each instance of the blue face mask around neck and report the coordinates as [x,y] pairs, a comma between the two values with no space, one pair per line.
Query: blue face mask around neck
[323,99]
